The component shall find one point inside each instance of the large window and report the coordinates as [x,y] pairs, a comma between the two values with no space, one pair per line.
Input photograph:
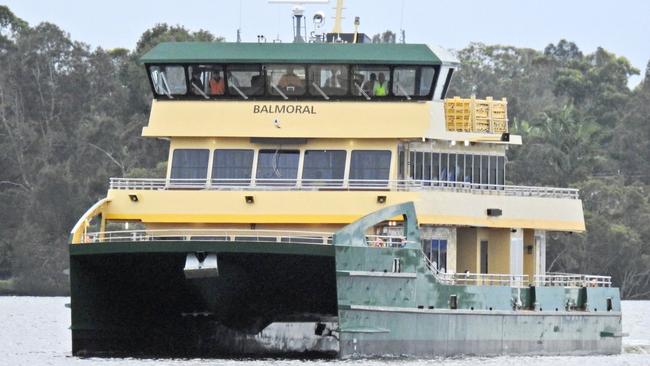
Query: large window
[371,81]
[245,80]
[452,167]
[232,166]
[286,80]
[412,81]
[207,80]
[190,164]
[328,80]
[277,167]
[369,165]
[436,251]
[323,167]
[168,80]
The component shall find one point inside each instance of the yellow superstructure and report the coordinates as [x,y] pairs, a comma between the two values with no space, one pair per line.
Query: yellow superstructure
[447,156]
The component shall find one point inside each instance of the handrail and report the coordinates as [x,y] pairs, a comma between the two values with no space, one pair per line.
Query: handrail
[218,235]
[381,241]
[339,184]
[476,279]
[571,280]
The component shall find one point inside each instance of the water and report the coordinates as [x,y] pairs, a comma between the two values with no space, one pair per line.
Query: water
[34,331]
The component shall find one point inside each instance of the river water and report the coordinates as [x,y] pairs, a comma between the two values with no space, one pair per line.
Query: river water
[34,331]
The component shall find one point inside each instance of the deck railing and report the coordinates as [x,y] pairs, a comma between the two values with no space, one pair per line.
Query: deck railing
[218,235]
[477,279]
[337,184]
[571,280]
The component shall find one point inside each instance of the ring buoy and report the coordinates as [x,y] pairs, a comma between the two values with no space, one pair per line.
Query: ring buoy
[378,243]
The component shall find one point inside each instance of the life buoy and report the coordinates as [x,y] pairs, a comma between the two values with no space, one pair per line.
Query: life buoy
[378,243]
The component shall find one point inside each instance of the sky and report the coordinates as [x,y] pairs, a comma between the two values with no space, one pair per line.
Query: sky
[621,26]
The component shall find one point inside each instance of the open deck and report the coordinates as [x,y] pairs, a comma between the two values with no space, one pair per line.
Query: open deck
[324,184]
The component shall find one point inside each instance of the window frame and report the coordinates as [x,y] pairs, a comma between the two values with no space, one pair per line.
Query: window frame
[307,96]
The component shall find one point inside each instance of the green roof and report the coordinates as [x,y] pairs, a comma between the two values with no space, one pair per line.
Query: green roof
[358,53]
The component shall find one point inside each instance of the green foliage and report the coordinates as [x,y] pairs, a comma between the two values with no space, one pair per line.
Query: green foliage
[70,118]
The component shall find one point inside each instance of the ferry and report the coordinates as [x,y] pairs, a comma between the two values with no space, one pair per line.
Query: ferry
[328,199]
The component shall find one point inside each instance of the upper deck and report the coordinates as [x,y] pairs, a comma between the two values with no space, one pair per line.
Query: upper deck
[308,91]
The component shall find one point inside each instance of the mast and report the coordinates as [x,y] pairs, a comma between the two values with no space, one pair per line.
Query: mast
[338,17]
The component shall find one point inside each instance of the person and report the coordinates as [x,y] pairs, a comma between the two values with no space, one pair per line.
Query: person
[197,84]
[380,88]
[217,85]
[368,86]
[290,80]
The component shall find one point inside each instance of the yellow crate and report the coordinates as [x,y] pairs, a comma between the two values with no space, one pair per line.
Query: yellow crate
[476,115]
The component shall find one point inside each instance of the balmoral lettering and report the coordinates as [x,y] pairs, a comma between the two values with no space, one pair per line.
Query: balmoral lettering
[283,109]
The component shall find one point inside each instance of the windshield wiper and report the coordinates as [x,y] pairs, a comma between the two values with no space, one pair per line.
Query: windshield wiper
[320,90]
[166,86]
[241,93]
[279,91]
[362,91]
[196,87]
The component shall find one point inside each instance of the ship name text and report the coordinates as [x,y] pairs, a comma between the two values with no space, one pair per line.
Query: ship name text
[283,109]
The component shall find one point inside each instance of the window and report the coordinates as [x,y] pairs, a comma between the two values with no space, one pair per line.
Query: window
[453,168]
[206,80]
[493,170]
[328,80]
[232,166]
[190,164]
[285,80]
[245,80]
[371,81]
[412,81]
[168,80]
[484,169]
[444,166]
[323,167]
[501,171]
[435,166]
[277,167]
[370,165]
[436,251]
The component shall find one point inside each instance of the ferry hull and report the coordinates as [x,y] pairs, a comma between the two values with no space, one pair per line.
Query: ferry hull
[133,299]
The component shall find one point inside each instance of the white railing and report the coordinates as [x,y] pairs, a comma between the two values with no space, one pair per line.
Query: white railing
[337,184]
[218,235]
[477,279]
[386,241]
[571,280]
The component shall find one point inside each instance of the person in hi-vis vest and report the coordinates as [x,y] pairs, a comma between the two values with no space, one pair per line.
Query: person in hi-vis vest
[381,86]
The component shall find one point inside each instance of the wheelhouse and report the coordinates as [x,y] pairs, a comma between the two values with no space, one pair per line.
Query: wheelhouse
[261,71]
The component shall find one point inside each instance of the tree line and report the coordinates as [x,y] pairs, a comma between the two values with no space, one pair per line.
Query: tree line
[71,117]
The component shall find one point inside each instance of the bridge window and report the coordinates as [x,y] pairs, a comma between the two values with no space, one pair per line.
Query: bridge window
[323,167]
[190,164]
[168,80]
[232,166]
[370,165]
[206,80]
[245,80]
[286,80]
[328,80]
[412,81]
[277,167]
[371,81]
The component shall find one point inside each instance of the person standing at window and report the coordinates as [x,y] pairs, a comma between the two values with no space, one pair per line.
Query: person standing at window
[380,88]
[217,86]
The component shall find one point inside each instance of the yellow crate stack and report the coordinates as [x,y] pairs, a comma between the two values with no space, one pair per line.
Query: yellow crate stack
[476,115]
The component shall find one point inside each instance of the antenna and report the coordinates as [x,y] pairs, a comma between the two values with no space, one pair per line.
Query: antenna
[298,12]
[239,28]
[402,38]
[338,16]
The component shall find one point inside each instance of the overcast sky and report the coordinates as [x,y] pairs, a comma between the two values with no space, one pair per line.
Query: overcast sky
[621,26]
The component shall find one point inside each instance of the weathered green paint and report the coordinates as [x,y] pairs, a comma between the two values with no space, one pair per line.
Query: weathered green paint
[416,311]
[318,53]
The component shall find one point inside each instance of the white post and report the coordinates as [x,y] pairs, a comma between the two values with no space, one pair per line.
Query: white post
[517,251]
[540,252]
